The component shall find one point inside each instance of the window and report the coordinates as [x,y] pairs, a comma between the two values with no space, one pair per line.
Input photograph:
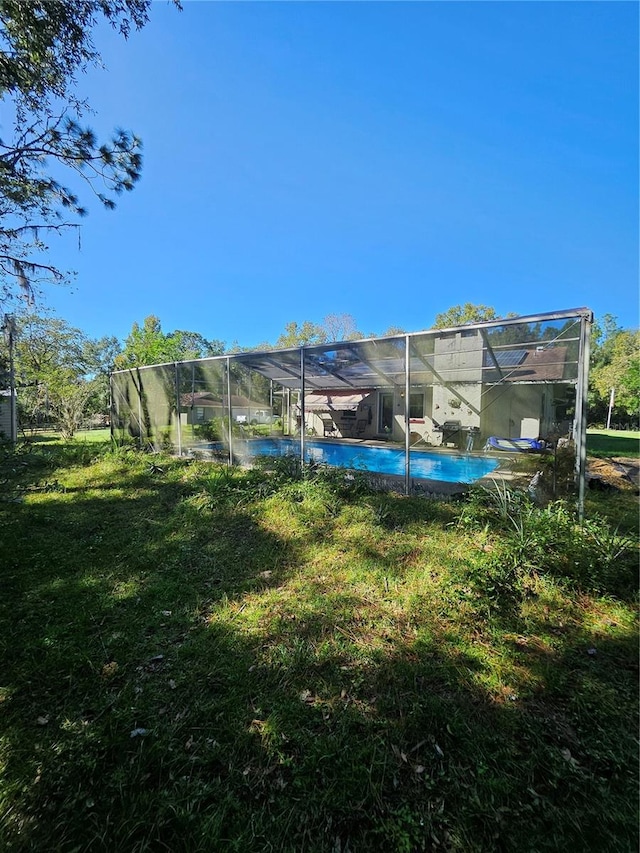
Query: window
[385,413]
[416,405]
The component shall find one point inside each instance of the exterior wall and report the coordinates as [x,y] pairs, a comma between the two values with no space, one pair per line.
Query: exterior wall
[191,414]
[458,402]
[519,411]
[460,352]
[515,411]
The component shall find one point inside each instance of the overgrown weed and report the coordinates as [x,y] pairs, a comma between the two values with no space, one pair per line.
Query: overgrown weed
[591,555]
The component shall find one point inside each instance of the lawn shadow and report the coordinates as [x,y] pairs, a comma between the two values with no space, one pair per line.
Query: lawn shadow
[330,749]
[99,595]
[182,678]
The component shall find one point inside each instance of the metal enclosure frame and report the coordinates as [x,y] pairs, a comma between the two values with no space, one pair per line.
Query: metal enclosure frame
[470,371]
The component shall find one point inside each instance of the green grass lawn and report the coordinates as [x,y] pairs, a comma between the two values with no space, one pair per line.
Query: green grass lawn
[83,436]
[195,658]
[609,442]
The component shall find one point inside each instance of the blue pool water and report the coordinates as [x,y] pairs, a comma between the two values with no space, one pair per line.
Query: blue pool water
[382,460]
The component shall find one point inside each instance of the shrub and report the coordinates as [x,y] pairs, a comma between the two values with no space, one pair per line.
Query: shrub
[210,431]
[593,555]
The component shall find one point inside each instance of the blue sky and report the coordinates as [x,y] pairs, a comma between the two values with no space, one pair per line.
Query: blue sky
[386,160]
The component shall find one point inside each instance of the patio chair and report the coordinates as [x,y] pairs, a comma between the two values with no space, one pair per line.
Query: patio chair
[329,429]
[519,445]
[346,428]
[361,427]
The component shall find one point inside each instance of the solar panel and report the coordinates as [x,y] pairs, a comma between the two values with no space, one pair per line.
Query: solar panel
[510,358]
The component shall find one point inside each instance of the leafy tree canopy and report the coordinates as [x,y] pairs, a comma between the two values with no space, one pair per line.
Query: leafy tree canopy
[44,45]
[616,364]
[334,327]
[194,345]
[301,335]
[603,334]
[148,344]
[392,330]
[61,374]
[458,315]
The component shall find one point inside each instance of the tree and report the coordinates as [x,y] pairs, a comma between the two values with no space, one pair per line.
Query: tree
[69,399]
[193,345]
[45,46]
[458,315]
[101,354]
[617,365]
[334,327]
[100,357]
[306,334]
[603,335]
[148,344]
[60,373]
[341,327]
[614,363]
[392,330]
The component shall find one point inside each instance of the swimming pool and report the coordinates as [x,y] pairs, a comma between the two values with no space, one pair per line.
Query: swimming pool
[445,467]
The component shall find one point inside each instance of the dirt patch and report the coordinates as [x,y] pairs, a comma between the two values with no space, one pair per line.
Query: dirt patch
[620,472]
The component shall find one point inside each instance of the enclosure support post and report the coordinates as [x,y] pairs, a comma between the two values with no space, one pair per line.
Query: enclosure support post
[303,422]
[12,386]
[177,374]
[140,412]
[581,413]
[111,406]
[288,399]
[9,329]
[271,406]
[407,433]
[229,412]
